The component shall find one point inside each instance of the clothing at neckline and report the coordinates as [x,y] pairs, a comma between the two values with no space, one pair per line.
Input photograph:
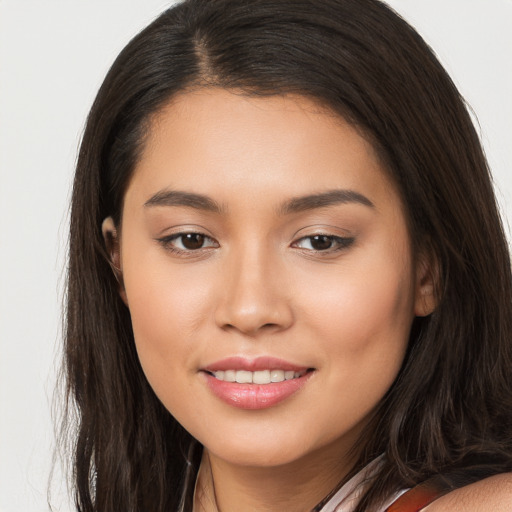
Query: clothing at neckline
[347,497]
[415,499]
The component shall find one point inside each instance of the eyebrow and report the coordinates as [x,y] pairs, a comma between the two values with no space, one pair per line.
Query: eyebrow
[179,198]
[294,205]
[324,199]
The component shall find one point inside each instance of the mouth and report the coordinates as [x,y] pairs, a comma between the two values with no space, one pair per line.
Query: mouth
[255,384]
[258,377]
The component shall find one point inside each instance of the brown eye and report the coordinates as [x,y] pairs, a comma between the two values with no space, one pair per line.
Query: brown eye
[321,242]
[187,242]
[324,243]
[192,241]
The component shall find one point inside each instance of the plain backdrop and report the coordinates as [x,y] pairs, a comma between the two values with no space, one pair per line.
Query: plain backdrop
[53,56]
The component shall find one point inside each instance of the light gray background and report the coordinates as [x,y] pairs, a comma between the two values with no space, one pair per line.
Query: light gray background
[53,56]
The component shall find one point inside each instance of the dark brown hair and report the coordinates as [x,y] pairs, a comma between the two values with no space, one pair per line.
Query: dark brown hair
[451,404]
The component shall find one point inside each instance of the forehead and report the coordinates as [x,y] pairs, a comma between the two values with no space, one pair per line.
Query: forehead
[230,145]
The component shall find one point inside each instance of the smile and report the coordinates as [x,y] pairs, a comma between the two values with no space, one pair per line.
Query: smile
[255,384]
[257,377]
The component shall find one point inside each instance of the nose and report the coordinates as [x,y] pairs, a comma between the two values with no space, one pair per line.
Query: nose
[254,298]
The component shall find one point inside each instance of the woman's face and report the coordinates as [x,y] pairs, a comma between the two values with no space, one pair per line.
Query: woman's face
[262,241]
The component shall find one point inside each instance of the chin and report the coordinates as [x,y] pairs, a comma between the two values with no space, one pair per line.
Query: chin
[262,457]
[247,447]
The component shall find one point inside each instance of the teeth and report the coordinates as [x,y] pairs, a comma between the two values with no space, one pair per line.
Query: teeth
[277,375]
[261,377]
[230,376]
[258,377]
[244,377]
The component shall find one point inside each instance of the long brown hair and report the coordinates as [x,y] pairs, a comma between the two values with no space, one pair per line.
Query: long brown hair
[451,404]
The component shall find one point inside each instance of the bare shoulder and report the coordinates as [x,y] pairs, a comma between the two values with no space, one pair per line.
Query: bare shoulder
[491,494]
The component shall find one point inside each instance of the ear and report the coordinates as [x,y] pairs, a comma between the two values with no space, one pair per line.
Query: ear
[427,285]
[111,239]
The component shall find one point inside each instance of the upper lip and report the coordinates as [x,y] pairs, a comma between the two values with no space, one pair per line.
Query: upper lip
[253,365]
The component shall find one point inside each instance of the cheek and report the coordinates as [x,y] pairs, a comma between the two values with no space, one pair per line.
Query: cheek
[162,306]
[363,316]
[168,309]
[362,328]
[365,299]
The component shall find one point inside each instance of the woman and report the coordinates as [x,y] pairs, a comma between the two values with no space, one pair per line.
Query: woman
[289,287]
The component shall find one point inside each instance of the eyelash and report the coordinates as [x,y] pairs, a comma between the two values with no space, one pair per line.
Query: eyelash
[340,243]
[167,243]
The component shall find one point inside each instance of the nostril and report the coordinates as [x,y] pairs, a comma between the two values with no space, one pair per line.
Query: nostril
[251,330]
[251,317]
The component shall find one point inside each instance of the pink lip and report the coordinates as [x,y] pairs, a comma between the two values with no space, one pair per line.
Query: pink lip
[253,365]
[254,396]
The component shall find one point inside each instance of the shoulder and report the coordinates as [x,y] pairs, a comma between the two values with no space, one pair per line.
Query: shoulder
[493,493]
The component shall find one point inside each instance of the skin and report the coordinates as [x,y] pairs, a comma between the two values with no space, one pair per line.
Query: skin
[491,494]
[260,287]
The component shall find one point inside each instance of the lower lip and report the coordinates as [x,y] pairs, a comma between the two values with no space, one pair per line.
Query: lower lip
[255,396]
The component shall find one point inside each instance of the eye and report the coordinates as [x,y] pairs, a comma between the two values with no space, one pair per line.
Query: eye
[187,242]
[323,243]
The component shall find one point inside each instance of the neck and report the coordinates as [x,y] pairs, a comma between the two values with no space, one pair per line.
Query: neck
[294,487]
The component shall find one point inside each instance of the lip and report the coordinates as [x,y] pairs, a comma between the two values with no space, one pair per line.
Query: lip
[253,365]
[254,396]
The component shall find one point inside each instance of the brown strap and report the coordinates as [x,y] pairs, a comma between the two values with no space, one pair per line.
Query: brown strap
[421,495]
